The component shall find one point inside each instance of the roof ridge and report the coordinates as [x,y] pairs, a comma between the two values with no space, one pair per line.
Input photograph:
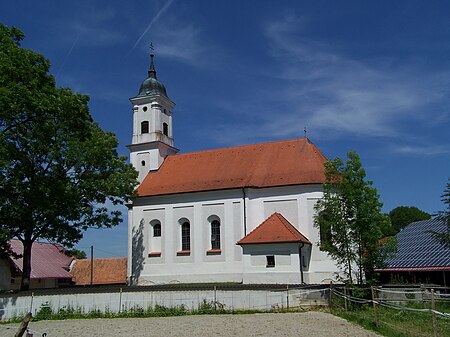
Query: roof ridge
[287,224]
[241,146]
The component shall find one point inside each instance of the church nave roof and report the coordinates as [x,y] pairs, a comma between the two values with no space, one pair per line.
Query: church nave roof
[282,163]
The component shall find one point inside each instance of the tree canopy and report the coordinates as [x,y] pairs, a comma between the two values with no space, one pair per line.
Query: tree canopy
[59,171]
[350,220]
[404,215]
[444,215]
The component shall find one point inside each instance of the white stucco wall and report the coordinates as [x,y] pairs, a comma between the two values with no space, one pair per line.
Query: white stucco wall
[230,264]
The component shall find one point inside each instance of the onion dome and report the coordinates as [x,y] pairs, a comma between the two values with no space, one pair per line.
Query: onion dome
[151,85]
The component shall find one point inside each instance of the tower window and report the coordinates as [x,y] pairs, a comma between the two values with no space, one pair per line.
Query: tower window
[165,111]
[165,129]
[145,108]
[143,163]
[144,127]
[186,236]
[215,234]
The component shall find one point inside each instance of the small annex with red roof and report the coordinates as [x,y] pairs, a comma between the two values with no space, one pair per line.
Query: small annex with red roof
[236,214]
[275,229]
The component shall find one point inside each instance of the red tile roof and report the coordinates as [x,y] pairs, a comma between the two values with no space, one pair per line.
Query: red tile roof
[275,229]
[290,162]
[48,260]
[106,271]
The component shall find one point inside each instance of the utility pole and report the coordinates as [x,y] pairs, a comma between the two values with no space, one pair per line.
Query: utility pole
[92,265]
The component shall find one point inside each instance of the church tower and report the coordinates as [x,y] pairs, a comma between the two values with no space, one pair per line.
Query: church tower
[152,125]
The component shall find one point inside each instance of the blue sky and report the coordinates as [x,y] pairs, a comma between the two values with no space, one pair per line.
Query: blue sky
[373,77]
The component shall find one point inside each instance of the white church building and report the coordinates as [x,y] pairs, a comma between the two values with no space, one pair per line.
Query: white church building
[238,214]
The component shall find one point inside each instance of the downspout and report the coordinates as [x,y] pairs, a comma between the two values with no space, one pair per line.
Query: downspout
[244,196]
[301,261]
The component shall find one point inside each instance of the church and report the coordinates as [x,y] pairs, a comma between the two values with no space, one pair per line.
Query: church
[240,214]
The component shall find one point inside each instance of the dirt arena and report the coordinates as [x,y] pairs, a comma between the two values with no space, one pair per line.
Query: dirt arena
[312,324]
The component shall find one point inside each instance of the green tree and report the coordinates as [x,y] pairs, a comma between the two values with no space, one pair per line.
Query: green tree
[59,172]
[350,220]
[404,215]
[78,254]
[444,238]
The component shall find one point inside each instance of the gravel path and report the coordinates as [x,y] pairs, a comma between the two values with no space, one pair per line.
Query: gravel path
[311,324]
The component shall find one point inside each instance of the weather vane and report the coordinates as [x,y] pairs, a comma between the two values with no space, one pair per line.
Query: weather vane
[152,49]
[305,131]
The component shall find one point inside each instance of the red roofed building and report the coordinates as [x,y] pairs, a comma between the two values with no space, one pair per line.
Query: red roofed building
[104,271]
[49,266]
[237,214]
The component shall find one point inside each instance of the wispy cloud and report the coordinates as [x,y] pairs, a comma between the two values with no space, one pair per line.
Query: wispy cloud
[155,18]
[95,28]
[67,55]
[424,150]
[343,94]
[313,84]
[181,41]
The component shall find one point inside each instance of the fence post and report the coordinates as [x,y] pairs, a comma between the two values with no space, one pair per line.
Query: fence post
[215,297]
[345,298]
[287,296]
[433,314]
[375,306]
[23,325]
[31,304]
[120,300]
[330,298]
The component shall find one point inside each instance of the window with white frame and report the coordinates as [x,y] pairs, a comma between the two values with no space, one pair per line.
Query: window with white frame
[270,259]
[215,235]
[186,236]
[157,229]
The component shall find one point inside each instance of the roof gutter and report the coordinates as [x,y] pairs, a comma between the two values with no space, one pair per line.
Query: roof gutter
[244,197]
[301,261]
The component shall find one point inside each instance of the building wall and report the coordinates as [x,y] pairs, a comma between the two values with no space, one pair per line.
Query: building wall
[5,275]
[239,212]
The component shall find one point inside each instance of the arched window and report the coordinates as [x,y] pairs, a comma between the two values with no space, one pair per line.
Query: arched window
[157,229]
[215,234]
[185,236]
[144,127]
[165,129]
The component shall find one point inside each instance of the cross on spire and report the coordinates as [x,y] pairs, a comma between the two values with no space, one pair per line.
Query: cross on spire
[152,49]
[152,71]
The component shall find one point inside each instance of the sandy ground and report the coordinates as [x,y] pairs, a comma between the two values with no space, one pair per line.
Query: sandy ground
[310,324]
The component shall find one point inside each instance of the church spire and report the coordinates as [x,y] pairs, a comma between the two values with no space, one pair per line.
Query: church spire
[152,71]
[152,139]
[151,85]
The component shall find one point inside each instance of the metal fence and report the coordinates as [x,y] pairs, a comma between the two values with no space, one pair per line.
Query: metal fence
[403,303]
